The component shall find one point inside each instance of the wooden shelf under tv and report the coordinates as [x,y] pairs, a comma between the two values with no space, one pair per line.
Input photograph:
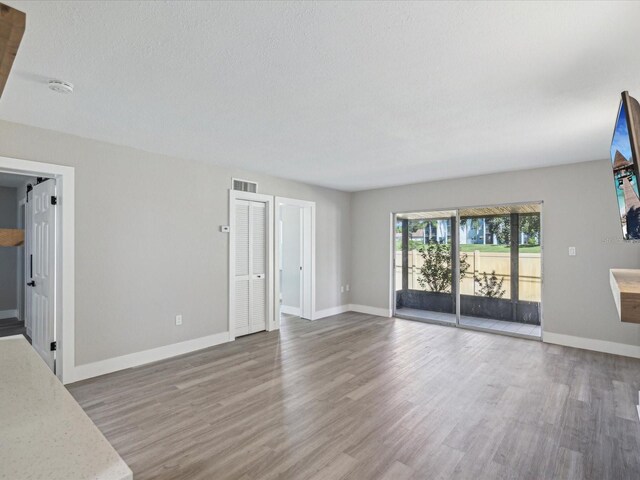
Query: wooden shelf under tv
[625,285]
[11,237]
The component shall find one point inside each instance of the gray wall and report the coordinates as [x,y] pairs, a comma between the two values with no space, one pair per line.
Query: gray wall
[8,255]
[579,210]
[291,255]
[148,244]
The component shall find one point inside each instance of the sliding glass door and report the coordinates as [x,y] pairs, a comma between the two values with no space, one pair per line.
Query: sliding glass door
[501,289]
[476,267]
[424,262]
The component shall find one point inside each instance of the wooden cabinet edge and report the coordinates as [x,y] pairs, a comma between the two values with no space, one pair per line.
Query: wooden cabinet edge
[628,300]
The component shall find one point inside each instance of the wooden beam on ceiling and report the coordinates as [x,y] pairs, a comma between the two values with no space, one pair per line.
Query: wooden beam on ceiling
[12,25]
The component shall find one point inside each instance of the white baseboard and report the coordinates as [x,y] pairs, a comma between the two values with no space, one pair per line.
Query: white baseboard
[290,310]
[8,314]
[328,312]
[592,344]
[380,312]
[136,359]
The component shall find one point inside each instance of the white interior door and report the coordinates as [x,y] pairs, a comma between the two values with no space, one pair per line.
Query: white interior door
[42,266]
[250,237]
[28,215]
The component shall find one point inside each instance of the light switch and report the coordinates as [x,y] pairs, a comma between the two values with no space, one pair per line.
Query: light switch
[225,228]
[572,251]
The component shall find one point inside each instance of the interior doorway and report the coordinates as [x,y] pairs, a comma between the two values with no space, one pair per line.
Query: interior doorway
[295,258]
[12,320]
[52,267]
[28,261]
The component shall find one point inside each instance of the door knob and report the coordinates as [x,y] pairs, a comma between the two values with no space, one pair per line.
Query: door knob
[31,284]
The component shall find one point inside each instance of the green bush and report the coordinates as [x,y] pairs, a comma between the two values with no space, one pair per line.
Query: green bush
[436,271]
[490,285]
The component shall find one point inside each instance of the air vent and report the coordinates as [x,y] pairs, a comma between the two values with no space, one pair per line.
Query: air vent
[244,185]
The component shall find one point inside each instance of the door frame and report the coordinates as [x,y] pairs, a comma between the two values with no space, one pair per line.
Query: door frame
[268,200]
[64,321]
[307,250]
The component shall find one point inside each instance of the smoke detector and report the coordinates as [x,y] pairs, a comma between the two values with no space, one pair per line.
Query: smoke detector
[61,87]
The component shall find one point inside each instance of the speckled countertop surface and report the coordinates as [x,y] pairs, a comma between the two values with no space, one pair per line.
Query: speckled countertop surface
[44,433]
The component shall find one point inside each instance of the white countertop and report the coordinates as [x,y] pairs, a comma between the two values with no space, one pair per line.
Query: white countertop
[44,433]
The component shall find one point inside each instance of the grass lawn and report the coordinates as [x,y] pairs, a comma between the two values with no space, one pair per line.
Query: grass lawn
[499,248]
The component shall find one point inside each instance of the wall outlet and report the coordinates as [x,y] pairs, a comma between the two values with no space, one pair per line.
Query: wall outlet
[572,251]
[225,228]
[342,289]
[178,319]
[347,287]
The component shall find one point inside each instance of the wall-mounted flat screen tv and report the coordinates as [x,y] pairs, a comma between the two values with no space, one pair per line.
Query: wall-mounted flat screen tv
[625,154]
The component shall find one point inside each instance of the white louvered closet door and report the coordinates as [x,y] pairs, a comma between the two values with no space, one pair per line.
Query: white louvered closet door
[251,266]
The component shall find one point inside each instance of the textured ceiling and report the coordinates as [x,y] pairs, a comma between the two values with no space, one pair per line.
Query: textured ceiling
[349,95]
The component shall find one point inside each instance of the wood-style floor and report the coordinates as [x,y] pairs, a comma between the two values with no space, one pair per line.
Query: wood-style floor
[11,326]
[362,397]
